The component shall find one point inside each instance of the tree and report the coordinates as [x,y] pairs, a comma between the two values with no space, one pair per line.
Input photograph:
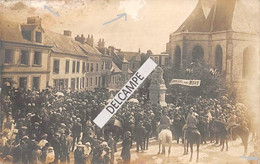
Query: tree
[213,83]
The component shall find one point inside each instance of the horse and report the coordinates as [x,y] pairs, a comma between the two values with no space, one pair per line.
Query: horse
[165,137]
[237,130]
[222,132]
[192,136]
[243,133]
[148,129]
[177,128]
[212,131]
[202,127]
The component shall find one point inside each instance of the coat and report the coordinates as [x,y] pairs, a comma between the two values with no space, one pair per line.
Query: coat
[139,132]
[125,154]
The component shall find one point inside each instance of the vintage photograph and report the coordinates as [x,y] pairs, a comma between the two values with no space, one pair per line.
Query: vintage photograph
[129,81]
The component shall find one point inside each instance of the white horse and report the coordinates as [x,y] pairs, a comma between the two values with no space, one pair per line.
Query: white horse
[165,137]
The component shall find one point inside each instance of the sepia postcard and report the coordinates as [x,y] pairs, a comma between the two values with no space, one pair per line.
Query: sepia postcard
[129,81]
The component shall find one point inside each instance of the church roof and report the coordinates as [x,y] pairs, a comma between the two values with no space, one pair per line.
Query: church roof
[223,15]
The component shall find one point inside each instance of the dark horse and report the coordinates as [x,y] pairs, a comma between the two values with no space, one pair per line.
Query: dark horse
[177,128]
[243,133]
[220,129]
[202,127]
[237,130]
[148,131]
[192,136]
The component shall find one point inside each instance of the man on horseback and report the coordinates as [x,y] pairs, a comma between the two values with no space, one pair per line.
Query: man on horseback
[191,134]
[232,121]
[191,121]
[164,122]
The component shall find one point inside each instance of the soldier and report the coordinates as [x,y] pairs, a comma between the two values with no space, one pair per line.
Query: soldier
[111,145]
[64,146]
[191,121]
[165,122]
[126,144]
[79,157]
[232,120]
[56,146]
[139,135]
[76,130]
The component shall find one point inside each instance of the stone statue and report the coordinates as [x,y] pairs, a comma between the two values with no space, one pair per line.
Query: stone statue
[157,88]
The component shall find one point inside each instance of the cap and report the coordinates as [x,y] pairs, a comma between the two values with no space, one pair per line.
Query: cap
[25,137]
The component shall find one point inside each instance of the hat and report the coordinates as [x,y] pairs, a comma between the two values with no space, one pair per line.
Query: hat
[44,135]
[36,123]
[104,144]
[15,130]
[128,134]
[50,148]
[25,137]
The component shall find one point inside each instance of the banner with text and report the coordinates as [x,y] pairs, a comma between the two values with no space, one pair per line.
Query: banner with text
[123,95]
[193,83]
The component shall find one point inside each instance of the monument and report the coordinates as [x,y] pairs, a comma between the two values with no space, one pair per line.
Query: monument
[157,88]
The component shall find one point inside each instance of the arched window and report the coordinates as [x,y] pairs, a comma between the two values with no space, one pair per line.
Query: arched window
[197,54]
[177,57]
[249,62]
[218,58]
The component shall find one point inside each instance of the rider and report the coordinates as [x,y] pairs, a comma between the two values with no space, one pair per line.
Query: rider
[164,122]
[191,120]
[190,124]
[232,120]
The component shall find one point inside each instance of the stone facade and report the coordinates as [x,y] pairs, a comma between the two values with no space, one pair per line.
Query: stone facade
[220,38]
[34,58]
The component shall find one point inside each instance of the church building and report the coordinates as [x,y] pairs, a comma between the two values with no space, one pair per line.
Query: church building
[223,33]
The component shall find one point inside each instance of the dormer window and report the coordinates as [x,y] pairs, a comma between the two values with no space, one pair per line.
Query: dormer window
[38,37]
[27,35]
[32,30]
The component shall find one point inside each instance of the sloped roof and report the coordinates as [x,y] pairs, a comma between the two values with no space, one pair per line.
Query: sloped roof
[124,60]
[62,44]
[116,59]
[129,71]
[11,31]
[115,69]
[130,55]
[236,15]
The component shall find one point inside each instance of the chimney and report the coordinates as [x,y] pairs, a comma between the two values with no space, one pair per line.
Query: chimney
[34,20]
[90,41]
[67,33]
[101,43]
[80,39]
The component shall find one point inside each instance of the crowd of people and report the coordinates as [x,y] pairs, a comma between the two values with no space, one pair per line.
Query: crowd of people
[52,127]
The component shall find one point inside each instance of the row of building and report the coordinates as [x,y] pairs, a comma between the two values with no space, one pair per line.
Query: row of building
[34,58]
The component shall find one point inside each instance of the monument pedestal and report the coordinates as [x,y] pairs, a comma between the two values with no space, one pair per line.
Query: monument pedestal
[157,88]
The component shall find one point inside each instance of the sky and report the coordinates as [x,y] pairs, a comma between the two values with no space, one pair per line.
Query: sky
[148,25]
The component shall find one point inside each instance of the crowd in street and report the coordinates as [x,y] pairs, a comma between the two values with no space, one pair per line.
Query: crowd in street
[50,126]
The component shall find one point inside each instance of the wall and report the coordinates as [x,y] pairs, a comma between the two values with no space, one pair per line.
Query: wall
[15,70]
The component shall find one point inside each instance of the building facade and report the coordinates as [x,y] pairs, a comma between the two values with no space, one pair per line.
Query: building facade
[224,33]
[24,56]
[34,58]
